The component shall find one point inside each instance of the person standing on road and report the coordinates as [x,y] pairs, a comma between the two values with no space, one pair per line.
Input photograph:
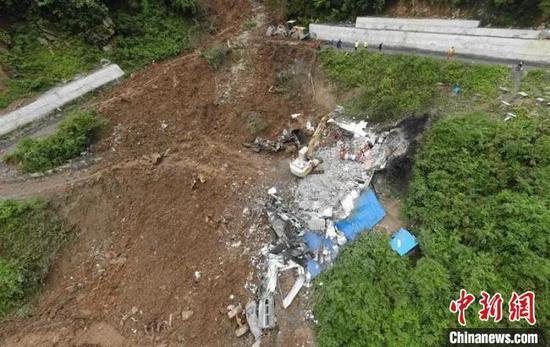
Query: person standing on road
[339,44]
[519,67]
[380,46]
[356,45]
[451,53]
[366,44]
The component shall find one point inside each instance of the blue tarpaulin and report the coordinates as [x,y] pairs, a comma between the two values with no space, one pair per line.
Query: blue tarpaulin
[313,241]
[403,241]
[367,213]
[313,268]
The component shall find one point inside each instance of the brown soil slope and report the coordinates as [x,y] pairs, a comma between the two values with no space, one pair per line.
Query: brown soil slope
[159,223]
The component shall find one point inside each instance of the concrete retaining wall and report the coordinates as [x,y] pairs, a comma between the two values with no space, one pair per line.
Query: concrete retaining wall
[509,33]
[58,97]
[439,26]
[531,50]
[408,23]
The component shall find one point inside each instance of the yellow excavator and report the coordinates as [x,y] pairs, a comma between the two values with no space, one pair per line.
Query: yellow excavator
[305,163]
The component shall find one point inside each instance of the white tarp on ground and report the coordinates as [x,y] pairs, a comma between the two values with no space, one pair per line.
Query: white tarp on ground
[58,97]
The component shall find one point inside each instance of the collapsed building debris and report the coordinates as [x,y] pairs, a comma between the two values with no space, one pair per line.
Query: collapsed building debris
[289,30]
[289,141]
[325,211]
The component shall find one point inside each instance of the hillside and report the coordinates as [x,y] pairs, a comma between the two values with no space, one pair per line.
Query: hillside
[517,13]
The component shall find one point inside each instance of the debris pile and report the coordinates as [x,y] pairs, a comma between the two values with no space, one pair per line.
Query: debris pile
[289,30]
[325,211]
[288,141]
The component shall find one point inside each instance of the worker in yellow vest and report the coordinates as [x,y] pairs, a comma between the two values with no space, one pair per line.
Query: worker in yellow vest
[366,44]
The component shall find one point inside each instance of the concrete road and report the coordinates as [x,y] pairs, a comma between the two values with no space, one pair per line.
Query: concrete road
[440,55]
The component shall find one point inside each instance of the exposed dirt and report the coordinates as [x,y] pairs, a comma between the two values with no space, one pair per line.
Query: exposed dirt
[169,220]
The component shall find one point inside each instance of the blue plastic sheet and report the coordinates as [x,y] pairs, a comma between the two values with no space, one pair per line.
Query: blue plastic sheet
[316,242]
[313,268]
[313,241]
[367,213]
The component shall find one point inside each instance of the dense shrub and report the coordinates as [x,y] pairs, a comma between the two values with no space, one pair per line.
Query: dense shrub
[496,12]
[30,235]
[74,135]
[144,37]
[480,205]
[332,10]
[11,285]
[80,16]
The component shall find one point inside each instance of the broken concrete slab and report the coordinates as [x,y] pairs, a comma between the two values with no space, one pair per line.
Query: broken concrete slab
[316,223]
[57,97]
[252,319]
[266,313]
[523,94]
[287,301]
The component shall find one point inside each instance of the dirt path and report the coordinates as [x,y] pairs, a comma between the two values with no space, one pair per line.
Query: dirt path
[168,224]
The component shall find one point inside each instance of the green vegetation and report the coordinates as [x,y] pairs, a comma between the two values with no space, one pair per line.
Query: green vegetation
[74,135]
[216,56]
[144,37]
[35,66]
[392,86]
[332,10]
[250,24]
[479,203]
[89,16]
[42,51]
[495,12]
[536,83]
[30,235]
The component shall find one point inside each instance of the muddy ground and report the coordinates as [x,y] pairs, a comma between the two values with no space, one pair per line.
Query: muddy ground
[162,246]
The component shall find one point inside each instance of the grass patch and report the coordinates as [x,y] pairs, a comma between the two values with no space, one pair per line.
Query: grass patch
[37,60]
[30,235]
[34,66]
[74,135]
[393,86]
[249,25]
[536,83]
[480,206]
[216,56]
